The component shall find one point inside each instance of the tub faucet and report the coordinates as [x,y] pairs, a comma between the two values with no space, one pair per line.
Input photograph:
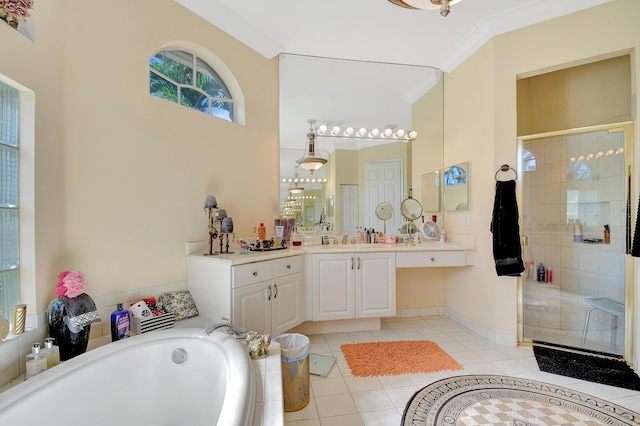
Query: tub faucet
[238,332]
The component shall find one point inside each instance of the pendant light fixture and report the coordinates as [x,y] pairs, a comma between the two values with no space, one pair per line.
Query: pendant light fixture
[310,161]
[443,5]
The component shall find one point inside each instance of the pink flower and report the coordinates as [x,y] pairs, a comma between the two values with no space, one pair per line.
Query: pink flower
[70,284]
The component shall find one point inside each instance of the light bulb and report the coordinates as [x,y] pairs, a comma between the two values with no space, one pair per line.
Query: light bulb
[400,133]
[348,131]
[362,132]
[335,131]
[413,134]
[322,129]
[375,133]
[387,133]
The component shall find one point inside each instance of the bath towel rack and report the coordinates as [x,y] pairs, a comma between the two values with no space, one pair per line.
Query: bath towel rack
[506,168]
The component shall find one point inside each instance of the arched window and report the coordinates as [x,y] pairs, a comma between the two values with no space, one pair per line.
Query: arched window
[178,75]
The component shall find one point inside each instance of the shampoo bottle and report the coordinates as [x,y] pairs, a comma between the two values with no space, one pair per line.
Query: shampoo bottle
[51,352]
[262,232]
[120,323]
[35,362]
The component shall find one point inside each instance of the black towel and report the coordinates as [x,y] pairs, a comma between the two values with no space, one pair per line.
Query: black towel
[507,251]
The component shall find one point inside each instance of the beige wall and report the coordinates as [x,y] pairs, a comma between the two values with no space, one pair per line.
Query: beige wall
[580,96]
[480,126]
[121,176]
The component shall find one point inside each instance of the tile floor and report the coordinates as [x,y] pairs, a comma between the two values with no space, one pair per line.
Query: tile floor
[340,399]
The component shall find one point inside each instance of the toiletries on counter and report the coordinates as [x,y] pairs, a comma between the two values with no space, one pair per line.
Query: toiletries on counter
[51,352]
[35,362]
[120,323]
[262,232]
[607,235]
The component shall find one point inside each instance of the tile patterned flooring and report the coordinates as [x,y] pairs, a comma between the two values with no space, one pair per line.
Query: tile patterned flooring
[340,399]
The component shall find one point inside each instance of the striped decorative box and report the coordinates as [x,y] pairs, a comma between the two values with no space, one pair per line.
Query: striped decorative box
[161,322]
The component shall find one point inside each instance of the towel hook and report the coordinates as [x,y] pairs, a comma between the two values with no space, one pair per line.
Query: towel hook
[505,168]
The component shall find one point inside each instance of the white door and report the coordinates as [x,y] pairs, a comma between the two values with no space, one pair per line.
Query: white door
[383,182]
[349,209]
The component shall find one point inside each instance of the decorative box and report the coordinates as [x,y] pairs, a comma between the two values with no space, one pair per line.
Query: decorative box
[161,322]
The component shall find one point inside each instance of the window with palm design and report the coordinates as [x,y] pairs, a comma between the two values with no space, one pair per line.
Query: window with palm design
[182,77]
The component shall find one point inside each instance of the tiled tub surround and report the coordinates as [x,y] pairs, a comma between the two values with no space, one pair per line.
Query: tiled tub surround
[594,192]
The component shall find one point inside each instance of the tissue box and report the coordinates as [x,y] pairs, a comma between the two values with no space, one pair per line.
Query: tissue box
[161,322]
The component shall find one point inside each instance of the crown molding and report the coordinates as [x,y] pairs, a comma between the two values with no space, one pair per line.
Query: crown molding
[510,21]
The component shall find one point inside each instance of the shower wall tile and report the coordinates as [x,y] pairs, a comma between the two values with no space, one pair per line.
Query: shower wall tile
[588,259]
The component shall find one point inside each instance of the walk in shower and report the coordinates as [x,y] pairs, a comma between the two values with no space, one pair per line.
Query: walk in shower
[576,217]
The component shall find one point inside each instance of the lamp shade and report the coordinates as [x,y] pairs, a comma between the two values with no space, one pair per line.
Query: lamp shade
[310,161]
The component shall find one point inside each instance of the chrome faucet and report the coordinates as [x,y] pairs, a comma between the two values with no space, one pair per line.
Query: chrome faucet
[238,332]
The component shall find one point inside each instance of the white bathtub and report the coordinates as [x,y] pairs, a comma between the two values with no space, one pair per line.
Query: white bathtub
[138,381]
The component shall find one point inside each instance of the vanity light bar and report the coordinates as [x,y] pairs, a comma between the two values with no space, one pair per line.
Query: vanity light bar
[599,154]
[389,133]
[303,180]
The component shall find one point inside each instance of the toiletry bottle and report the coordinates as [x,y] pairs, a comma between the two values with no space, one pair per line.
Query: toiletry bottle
[120,323]
[35,362]
[607,235]
[577,231]
[51,352]
[262,232]
[549,274]
[541,272]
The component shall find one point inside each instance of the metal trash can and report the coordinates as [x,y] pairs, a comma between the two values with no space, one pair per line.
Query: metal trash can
[294,356]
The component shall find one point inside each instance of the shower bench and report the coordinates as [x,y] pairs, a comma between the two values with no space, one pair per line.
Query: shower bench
[604,304]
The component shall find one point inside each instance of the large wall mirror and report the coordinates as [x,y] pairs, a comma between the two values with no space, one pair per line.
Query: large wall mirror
[359,173]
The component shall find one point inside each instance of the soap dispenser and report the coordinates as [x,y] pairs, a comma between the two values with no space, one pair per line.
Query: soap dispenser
[51,352]
[35,362]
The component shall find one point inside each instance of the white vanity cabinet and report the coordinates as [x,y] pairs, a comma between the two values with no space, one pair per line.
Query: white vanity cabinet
[353,285]
[273,305]
[265,296]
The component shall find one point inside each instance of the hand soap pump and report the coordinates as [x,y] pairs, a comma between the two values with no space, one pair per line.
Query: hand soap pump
[35,362]
[120,323]
[51,352]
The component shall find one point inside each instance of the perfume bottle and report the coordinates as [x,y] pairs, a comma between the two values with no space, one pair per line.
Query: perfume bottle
[35,362]
[51,352]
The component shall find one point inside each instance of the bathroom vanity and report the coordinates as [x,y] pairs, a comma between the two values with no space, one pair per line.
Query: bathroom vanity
[347,286]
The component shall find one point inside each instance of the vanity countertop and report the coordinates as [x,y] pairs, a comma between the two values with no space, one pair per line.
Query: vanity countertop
[462,244]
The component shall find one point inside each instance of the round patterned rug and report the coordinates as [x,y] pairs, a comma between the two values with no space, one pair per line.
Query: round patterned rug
[502,400]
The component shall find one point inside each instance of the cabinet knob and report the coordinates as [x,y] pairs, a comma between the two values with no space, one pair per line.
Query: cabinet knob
[433,259]
[255,273]
[288,266]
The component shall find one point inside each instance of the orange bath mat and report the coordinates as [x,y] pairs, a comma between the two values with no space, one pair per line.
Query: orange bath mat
[395,358]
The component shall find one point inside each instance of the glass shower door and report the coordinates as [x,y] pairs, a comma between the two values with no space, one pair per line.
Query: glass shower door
[575,217]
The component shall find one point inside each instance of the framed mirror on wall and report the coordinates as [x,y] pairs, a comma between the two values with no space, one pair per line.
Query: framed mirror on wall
[456,187]
[356,95]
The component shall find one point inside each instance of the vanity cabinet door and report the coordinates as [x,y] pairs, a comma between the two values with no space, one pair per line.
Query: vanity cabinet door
[375,285]
[333,286]
[286,303]
[252,307]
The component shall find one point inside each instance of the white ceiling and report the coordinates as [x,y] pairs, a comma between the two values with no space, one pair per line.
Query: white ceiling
[363,30]
[376,30]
